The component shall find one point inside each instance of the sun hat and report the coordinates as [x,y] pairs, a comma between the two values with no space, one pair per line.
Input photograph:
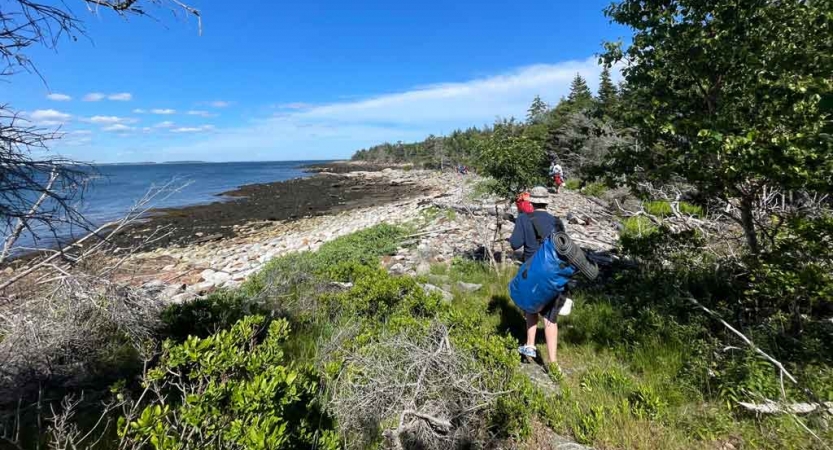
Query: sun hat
[539,194]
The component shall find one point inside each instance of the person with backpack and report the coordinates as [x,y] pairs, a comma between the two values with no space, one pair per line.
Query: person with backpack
[557,174]
[530,231]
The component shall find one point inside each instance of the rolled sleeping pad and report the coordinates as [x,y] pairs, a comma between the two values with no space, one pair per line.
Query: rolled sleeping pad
[575,255]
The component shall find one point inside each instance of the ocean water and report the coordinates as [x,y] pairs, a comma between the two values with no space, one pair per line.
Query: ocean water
[115,189]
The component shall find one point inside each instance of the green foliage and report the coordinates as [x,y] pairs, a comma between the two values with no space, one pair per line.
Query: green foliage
[513,159]
[586,428]
[595,189]
[638,226]
[205,316]
[608,103]
[662,208]
[536,111]
[337,260]
[572,184]
[580,96]
[731,97]
[229,390]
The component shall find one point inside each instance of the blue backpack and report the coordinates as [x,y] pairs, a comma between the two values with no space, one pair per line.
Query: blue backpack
[541,278]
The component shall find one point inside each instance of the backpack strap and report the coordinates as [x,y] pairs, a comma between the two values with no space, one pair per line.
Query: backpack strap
[539,236]
[537,229]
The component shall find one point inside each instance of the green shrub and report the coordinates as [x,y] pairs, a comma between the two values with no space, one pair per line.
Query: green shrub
[572,184]
[693,210]
[588,423]
[231,390]
[659,208]
[638,226]
[203,317]
[595,189]
[645,403]
[662,208]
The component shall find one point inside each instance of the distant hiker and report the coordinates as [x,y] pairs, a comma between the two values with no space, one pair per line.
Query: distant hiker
[523,203]
[462,170]
[530,231]
[557,174]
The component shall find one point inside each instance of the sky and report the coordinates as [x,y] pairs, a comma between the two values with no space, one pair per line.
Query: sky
[271,80]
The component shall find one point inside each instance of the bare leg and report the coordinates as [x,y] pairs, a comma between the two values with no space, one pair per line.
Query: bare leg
[531,328]
[551,334]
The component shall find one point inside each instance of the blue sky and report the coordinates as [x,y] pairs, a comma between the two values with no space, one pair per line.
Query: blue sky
[272,80]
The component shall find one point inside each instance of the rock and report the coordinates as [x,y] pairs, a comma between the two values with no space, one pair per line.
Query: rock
[8,271]
[423,268]
[184,297]
[169,268]
[397,269]
[154,285]
[207,274]
[172,291]
[430,288]
[469,287]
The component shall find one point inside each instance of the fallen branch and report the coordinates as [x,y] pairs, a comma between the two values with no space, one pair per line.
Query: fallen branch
[772,407]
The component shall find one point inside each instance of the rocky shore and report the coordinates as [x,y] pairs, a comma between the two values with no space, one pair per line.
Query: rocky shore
[449,218]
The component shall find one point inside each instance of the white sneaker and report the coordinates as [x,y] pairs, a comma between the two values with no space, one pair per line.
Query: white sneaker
[567,308]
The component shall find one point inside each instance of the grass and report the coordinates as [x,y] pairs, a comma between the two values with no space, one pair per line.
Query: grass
[638,226]
[572,184]
[595,189]
[662,208]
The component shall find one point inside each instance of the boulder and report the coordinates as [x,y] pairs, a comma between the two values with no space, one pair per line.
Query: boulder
[469,287]
[430,288]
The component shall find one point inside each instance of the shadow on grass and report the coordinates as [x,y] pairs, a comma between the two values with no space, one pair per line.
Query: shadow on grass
[511,319]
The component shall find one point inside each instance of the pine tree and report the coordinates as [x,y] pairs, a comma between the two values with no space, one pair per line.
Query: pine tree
[608,95]
[580,95]
[536,110]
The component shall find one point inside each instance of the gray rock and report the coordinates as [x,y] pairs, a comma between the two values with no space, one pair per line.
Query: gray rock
[469,287]
[183,297]
[430,288]
[397,269]
[423,268]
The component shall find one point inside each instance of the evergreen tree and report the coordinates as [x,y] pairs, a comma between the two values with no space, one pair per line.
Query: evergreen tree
[580,95]
[608,95]
[536,111]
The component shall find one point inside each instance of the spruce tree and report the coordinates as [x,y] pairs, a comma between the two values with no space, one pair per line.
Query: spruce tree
[608,95]
[580,95]
[536,110]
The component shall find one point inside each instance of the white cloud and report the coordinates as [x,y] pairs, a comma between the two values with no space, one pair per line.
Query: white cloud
[295,105]
[121,97]
[81,132]
[94,97]
[59,97]
[219,104]
[201,113]
[49,117]
[338,129]
[193,129]
[118,128]
[109,119]
[139,111]
[163,111]
[165,124]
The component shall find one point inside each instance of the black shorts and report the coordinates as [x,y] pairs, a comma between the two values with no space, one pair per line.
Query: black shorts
[550,312]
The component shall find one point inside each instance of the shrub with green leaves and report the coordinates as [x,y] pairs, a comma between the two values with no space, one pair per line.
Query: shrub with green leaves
[233,389]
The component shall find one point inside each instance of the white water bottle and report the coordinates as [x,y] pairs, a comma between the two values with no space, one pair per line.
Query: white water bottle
[566,308]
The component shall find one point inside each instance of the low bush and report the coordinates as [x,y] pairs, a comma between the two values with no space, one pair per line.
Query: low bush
[572,184]
[595,189]
[233,389]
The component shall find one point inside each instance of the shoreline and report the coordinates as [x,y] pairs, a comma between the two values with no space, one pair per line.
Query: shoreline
[330,188]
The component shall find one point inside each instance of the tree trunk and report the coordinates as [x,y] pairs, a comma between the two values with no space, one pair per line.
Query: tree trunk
[748,223]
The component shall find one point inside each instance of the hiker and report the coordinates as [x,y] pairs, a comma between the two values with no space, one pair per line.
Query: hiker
[530,231]
[557,174]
